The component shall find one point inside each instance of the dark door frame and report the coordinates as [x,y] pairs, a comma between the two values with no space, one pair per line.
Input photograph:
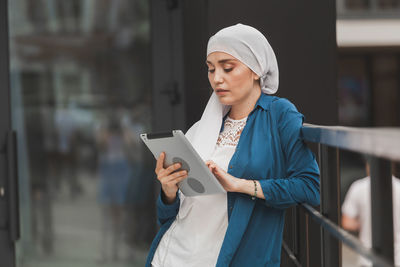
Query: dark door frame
[8,209]
[168,92]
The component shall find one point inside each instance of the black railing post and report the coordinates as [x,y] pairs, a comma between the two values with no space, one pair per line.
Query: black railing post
[383,145]
[330,204]
[382,208]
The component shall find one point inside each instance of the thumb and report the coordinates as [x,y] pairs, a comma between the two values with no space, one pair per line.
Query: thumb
[216,170]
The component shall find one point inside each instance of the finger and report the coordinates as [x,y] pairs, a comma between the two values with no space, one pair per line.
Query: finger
[219,171]
[160,162]
[172,168]
[166,178]
[168,171]
[208,162]
[177,180]
[216,170]
[180,179]
[175,176]
[213,166]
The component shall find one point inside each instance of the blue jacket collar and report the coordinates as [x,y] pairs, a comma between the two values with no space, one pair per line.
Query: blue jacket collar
[264,101]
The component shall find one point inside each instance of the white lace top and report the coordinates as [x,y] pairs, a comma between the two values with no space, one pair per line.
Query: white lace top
[195,237]
[231,133]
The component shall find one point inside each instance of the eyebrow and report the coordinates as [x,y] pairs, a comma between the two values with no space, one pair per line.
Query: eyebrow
[222,61]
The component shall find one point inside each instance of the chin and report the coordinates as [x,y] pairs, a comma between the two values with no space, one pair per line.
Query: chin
[224,100]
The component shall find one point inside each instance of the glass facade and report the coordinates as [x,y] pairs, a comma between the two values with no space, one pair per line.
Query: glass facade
[81,94]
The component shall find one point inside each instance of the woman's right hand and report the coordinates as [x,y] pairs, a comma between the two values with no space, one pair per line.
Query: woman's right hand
[168,178]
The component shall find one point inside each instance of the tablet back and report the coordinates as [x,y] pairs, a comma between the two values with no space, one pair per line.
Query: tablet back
[177,148]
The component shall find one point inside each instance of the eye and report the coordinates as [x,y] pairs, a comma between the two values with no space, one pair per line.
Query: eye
[211,71]
[228,70]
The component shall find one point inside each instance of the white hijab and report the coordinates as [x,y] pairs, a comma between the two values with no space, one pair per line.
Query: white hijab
[249,46]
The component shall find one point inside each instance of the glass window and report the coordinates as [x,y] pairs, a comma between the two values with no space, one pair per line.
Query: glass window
[388,4]
[81,94]
[357,4]
[354,91]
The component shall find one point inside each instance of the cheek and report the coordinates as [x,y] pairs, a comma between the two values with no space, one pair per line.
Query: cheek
[242,79]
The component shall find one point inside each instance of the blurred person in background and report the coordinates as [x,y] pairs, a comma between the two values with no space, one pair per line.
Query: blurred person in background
[114,171]
[139,187]
[66,151]
[39,161]
[356,212]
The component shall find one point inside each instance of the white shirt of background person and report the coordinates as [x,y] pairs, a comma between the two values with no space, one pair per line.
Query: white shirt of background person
[356,214]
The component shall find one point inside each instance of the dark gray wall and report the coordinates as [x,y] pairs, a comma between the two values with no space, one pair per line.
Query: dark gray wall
[195,37]
[302,34]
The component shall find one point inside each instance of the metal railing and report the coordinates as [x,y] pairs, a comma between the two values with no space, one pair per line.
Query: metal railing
[383,145]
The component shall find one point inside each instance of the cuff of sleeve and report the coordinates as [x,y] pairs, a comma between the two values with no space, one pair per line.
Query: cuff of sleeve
[273,197]
[266,189]
[167,210]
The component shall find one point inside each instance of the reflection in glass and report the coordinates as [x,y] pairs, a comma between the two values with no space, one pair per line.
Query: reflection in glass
[80,97]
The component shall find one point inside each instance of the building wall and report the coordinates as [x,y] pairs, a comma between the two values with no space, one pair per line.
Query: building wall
[302,35]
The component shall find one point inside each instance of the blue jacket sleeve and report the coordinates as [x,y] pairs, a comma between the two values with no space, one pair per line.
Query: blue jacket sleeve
[301,183]
[165,211]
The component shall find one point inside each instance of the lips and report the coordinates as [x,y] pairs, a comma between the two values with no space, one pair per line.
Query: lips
[221,90]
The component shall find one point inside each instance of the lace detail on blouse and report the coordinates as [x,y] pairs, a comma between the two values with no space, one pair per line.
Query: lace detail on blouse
[231,133]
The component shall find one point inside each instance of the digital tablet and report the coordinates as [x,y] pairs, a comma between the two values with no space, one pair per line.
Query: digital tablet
[177,148]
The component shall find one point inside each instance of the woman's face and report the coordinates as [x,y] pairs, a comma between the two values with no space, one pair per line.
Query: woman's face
[231,80]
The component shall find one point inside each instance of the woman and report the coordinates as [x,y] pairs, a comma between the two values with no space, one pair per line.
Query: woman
[251,142]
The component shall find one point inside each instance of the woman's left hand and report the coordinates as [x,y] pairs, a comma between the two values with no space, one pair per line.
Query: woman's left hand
[228,182]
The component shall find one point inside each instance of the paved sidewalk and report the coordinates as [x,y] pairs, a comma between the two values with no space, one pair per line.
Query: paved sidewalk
[77,235]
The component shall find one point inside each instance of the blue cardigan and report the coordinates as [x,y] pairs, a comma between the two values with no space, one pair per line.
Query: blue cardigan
[271,150]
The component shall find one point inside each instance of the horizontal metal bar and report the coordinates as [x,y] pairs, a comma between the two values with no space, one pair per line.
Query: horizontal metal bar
[380,142]
[346,237]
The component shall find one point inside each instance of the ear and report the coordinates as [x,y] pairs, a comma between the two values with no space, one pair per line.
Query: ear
[256,77]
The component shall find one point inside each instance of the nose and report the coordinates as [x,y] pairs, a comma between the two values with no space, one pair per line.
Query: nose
[217,77]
